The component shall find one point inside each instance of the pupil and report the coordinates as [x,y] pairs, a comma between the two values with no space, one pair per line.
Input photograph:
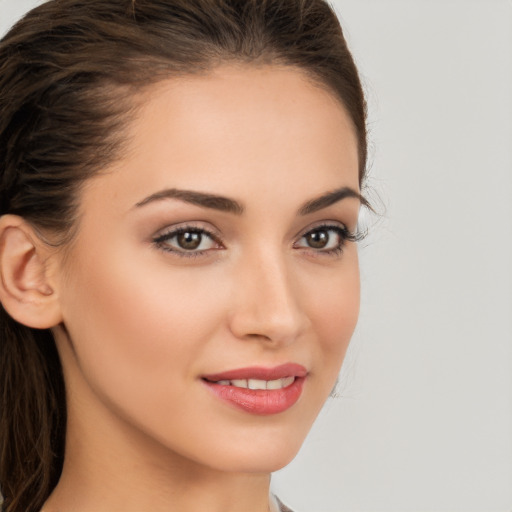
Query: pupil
[189,240]
[318,239]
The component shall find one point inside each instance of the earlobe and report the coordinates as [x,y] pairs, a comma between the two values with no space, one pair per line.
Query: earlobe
[26,292]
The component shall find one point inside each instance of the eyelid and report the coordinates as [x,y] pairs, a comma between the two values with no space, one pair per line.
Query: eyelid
[174,230]
[344,234]
[197,225]
[325,224]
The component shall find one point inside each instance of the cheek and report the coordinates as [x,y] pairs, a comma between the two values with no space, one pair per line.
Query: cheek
[335,311]
[132,322]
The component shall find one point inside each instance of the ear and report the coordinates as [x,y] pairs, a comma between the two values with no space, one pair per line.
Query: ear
[26,290]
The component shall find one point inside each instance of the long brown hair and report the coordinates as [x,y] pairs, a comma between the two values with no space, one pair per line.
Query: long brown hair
[69,71]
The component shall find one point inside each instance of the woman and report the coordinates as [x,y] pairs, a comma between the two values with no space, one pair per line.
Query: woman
[180,188]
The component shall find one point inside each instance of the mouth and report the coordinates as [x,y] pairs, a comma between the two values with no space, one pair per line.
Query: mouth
[257,390]
[257,383]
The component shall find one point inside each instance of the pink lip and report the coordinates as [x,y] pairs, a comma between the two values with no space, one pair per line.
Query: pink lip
[260,373]
[259,401]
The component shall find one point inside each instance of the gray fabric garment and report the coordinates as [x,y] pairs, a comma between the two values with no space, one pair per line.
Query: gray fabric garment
[276,505]
[282,506]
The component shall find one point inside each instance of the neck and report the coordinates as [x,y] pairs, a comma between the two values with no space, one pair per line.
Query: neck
[133,491]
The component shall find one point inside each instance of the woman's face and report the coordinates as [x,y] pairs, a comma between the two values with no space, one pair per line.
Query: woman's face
[210,258]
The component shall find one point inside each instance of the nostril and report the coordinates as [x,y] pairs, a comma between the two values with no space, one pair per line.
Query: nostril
[270,330]
[257,336]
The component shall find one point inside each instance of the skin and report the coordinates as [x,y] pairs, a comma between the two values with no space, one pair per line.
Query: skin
[140,325]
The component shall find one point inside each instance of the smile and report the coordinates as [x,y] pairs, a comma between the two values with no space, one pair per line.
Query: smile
[257,383]
[261,391]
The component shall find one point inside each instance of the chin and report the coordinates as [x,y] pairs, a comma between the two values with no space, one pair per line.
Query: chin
[260,455]
[262,462]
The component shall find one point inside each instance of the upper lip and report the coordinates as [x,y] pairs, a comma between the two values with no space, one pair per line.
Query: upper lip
[260,373]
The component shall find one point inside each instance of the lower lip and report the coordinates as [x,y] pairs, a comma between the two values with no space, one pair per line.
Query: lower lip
[260,401]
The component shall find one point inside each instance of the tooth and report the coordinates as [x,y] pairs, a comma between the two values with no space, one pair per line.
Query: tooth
[257,384]
[239,383]
[287,381]
[223,382]
[274,384]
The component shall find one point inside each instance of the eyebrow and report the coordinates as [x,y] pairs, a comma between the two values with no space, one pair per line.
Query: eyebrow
[226,204]
[330,198]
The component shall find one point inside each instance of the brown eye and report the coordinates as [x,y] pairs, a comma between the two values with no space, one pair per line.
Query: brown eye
[317,239]
[189,240]
[324,239]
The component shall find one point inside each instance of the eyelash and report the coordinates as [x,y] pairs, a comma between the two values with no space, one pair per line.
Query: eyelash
[161,241]
[344,236]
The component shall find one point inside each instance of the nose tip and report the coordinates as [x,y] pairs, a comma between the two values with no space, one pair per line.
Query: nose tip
[267,306]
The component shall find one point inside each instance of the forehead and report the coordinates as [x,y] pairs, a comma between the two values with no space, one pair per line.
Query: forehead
[238,131]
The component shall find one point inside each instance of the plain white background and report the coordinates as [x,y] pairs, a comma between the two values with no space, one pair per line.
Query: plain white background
[424,417]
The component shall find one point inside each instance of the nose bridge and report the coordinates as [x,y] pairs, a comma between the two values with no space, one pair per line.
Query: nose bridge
[267,304]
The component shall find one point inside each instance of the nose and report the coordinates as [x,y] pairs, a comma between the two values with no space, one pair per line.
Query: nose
[267,302]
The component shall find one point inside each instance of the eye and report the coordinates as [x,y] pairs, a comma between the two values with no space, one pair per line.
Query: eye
[187,241]
[326,239]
